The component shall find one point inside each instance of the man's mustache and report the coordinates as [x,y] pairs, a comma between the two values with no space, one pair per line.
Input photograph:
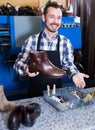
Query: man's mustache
[54,24]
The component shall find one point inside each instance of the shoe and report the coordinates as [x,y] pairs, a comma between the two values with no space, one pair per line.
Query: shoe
[30,113]
[39,62]
[15,118]
[27,117]
[36,110]
[5,105]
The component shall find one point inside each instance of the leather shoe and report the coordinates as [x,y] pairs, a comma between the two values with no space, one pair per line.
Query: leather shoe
[39,62]
[36,110]
[27,118]
[30,113]
[15,118]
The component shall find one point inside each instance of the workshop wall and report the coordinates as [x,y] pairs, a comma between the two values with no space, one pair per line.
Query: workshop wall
[34,3]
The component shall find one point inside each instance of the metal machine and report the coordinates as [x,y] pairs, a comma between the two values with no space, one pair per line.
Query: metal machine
[13,31]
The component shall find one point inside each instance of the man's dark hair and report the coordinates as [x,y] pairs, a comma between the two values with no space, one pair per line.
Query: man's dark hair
[51,4]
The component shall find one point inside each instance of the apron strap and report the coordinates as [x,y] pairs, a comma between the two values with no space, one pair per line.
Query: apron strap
[58,45]
[39,39]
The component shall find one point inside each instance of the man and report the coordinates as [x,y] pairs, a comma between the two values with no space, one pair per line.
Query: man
[48,40]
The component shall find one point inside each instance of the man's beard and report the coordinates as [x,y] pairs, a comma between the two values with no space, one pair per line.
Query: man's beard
[53,31]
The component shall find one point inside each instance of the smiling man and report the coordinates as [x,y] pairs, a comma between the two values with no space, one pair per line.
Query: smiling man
[58,47]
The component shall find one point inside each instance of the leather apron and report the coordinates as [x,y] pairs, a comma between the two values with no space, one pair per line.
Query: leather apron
[40,82]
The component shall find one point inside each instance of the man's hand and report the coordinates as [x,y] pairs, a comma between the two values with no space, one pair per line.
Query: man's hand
[78,79]
[31,74]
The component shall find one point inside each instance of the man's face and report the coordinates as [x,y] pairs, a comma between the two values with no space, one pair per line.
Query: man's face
[53,19]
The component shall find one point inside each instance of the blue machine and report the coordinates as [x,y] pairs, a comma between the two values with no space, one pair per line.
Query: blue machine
[10,27]
[8,78]
[71,29]
[7,51]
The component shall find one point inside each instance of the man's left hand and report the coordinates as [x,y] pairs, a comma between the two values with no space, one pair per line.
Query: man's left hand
[78,79]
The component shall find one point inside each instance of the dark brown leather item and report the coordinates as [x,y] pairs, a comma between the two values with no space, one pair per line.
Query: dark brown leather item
[39,62]
[25,115]
[30,113]
[36,109]
[15,118]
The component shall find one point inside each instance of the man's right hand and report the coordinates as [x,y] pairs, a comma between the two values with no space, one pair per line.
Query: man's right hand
[31,74]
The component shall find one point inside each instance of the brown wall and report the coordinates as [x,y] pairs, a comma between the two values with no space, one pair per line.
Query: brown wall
[32,3]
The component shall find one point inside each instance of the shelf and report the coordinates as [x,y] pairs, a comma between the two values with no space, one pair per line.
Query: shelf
[4,28]
[4,35]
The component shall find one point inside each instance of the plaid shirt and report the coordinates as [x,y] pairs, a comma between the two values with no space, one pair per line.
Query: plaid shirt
[65,49]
